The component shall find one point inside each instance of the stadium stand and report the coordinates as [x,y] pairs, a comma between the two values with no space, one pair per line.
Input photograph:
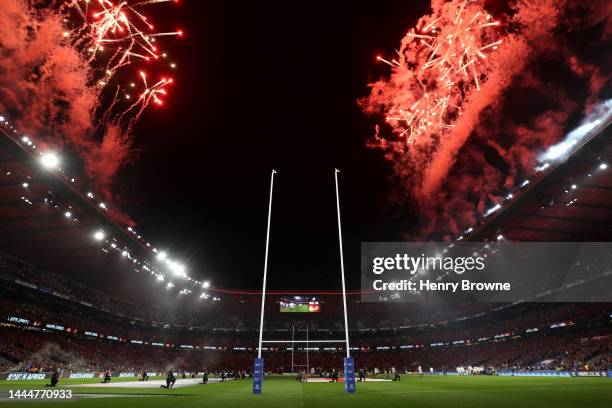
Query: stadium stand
[50,322]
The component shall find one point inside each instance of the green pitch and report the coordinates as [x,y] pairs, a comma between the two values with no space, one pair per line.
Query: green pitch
[411,392]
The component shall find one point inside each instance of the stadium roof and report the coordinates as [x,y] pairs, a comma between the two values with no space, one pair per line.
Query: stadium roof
[45,220]
[573,202]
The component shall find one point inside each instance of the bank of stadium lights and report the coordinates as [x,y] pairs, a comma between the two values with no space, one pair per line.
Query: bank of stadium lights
[51,161]
[177,268]
[206,296]
[544,166]
[572,202]
[602,166]
[492,210]
[570,188]
[206,285]
[160,278]
[169,285]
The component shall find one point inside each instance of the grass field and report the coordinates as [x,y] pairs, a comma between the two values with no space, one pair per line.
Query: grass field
[428,391]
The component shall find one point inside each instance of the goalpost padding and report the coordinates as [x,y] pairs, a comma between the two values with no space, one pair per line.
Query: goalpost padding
[258,370]
[349,375]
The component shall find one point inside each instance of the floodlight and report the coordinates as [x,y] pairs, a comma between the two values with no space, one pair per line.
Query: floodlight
[49,160]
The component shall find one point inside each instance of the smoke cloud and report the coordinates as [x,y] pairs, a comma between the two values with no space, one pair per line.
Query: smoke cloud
[51,356]
[550,70]
[49,89]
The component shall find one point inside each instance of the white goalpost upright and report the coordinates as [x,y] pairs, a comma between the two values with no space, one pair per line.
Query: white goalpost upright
[349,365]
[348,352]
[293,341]
[258,368]
[265,276]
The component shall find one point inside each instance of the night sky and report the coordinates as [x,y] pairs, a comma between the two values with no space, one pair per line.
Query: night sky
[262,86]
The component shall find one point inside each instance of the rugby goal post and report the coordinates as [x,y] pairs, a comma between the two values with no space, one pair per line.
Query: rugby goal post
[349,364]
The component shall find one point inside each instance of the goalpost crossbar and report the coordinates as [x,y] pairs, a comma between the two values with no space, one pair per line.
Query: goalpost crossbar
[303,341]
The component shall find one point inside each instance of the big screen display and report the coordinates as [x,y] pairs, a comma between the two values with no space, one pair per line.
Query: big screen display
[299,304]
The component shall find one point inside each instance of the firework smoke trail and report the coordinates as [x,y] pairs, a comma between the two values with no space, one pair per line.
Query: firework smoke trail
[440,65]
[444,104]
[63,69]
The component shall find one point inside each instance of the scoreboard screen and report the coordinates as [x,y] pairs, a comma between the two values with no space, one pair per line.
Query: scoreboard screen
[299,304]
